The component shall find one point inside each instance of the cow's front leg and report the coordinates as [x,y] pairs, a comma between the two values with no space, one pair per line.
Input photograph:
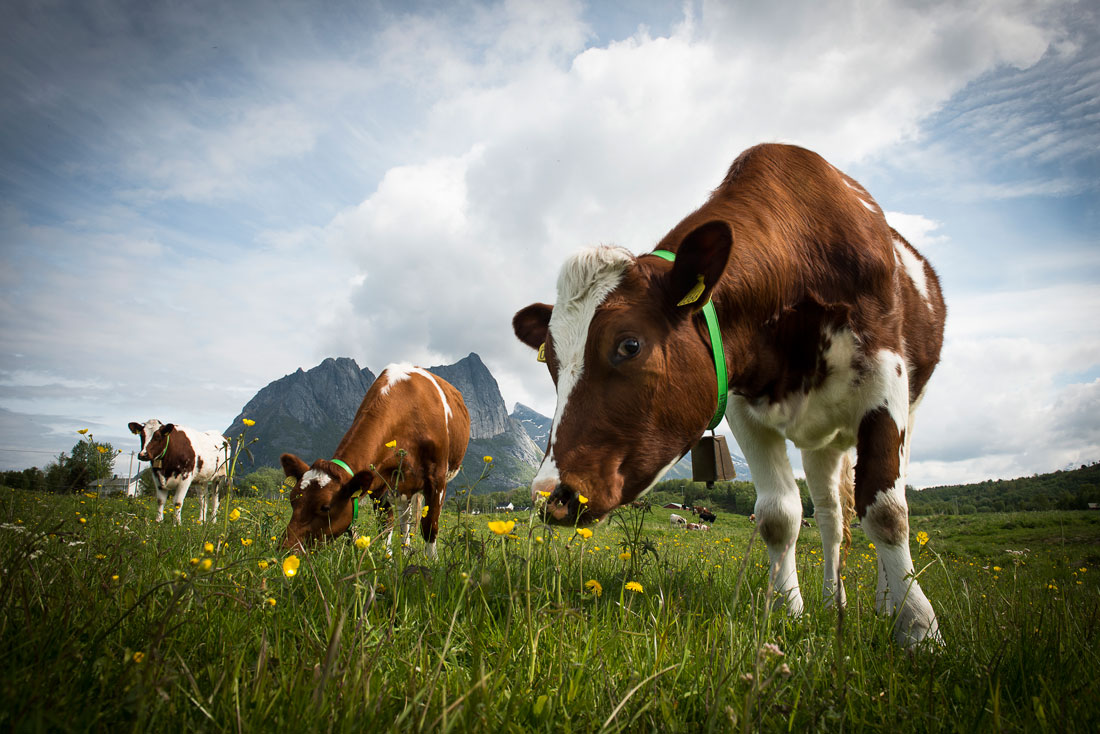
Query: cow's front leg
[824,469]
[429,524]
[881,505]
[162,499]
[181,494]
[202,503]
[778,505]
[217,487]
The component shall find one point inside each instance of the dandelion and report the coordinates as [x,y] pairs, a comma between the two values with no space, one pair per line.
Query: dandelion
[922,538]
[996,569]
[235,515]
[487,459]
[584,533]
[362,542]
[206,564]
[248,422]
[101,449]
[290,566]
[263,565]
[500,527]
[871,546]
[194,561]
[270,601]
[83,431]
[592,586]
[115,577]
[208,547]
[624,556]
[582,499]
[634,586]
[544,495]
[139,657]
[246,542]
[392,444]
[83,521]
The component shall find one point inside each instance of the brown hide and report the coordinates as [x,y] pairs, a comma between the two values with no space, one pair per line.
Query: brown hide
[428,447]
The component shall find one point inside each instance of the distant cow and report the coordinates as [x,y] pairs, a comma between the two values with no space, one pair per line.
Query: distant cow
[707,516]
[675,520]
[831,325]
[182,457]
[425,422]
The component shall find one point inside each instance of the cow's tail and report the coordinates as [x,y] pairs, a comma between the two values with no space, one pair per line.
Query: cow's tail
[847,497]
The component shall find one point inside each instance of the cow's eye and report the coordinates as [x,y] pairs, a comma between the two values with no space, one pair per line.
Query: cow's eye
[628,348]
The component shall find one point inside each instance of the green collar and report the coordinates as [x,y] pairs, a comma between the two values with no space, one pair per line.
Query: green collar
[716,348]
[167,438]
[343,466]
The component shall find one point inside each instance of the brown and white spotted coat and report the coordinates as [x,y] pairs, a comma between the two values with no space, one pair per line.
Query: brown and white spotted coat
[424,417]
[831,323]
[181,458]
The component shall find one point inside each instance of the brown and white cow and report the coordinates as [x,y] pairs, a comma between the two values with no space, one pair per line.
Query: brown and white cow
[425,421]
[181,458]
[831,325]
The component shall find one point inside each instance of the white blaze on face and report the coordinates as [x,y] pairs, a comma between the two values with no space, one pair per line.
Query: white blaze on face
[396,373]
[315,475]
[584,283]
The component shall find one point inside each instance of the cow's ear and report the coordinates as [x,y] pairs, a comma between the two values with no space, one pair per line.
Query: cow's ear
[293,466]
[135,428]
[532,323]
[166,429]
[700,263]
[358,483]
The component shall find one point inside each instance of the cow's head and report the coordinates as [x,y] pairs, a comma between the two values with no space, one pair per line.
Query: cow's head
[154,438]
[321,500]
[634,375]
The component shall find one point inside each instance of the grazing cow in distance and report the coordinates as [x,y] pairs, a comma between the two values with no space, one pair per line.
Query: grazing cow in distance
[826,325]
[182,457]
[707,516]
[409,434]
[675,520]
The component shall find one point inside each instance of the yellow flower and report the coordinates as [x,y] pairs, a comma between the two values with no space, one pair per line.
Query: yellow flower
[392,444]
[115,577]
[101,449]
[208,547]
[83,521]
[996,568]
[362,542]
[544,494]
[624,556]
[235,515]
[206,564]
[634,586]
[582,499]
[246,542]
[584,533]
[263,565]
[487,459]
[424,512]
[270,601]
[83,431]
[500,527]
[593,587]
[139,657]
[194,561]
[922,538]
[290,565]
[871,546]
[248,422]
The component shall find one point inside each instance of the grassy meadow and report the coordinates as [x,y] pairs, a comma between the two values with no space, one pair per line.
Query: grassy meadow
[112,622]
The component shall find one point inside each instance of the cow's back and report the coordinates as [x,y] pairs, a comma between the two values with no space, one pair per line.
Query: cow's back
[210,453]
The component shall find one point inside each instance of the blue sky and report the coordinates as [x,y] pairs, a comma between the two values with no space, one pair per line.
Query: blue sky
[197,200]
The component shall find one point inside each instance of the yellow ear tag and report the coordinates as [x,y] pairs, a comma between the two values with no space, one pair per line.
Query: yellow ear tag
[693,295]
[542,352]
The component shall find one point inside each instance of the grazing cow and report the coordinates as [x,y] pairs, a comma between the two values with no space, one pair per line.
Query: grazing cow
[410,434]
[693,526]
[707,516]
[828,324]
[674,520]
[182,457]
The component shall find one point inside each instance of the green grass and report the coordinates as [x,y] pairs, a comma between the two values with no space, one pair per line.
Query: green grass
[500,635]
